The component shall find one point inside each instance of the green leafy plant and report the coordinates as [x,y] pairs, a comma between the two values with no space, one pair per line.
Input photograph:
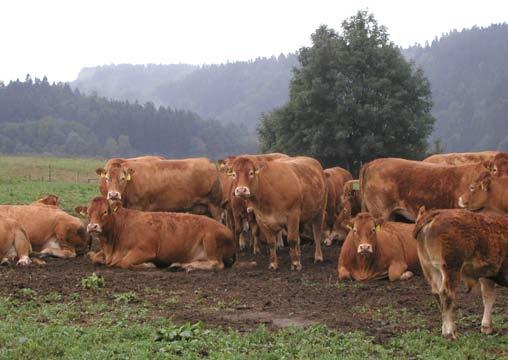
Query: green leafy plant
[93,281]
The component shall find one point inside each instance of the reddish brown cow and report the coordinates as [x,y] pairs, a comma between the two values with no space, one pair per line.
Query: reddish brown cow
[283,193]
[396,187]
[50,231]
[487,193]
[461,158]
[376,249]
[49,200]
[455,244]
[164,185]
[336,177]
[242,221]
[13,242]
[351,197]
[140,240]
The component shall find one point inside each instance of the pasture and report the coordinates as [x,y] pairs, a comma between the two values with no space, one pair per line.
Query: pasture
[61,310]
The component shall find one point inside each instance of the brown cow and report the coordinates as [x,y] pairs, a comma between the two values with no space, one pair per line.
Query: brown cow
[461,158]
[241,220]
[336,177]
[455,244]
[163,185]
[351,197]
[396,187]
[140,240]
[487,193]
[50,231]
[49,200]
[13,242]
[283,193]
[377,249]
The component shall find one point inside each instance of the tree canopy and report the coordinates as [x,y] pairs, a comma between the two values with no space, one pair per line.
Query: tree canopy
[353,99]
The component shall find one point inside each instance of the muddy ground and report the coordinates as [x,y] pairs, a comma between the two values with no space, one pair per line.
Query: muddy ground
[241,298]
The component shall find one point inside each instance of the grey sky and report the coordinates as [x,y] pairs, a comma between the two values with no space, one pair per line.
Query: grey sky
[57,38]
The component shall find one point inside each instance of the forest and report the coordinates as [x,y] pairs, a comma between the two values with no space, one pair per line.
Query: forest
[37,117]
[467,71]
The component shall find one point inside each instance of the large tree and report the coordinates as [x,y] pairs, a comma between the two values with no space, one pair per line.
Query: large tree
[353,99]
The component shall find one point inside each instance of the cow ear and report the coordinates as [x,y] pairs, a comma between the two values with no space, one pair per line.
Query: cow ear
[221,165]
[488,164]
[81,210]
[128,174]
[258,168]
[101,172]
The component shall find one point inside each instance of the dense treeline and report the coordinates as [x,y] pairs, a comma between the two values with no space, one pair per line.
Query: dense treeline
[39,117]
[468,73]
[237,92]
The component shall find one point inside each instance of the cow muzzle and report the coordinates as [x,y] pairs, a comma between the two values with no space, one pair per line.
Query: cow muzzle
[93,228]
[365,249]
[242,191]
[114,195]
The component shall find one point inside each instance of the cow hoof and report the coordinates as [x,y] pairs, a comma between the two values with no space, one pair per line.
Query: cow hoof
[24,261]
[450,336]
[256,251]
[38,262]
[273,266]
[318,258]
[328,242]
[296,266]
[487,330]
[4,262]
[406,276]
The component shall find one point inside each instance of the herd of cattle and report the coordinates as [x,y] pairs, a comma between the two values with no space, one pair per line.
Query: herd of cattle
[444,216]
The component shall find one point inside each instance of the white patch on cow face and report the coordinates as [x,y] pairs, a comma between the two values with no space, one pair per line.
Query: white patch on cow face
[365,249]
[114,195]
[94,228]
[461,203]
[242,191]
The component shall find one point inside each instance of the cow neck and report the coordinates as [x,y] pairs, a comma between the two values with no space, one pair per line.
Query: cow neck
[259,201]
[113,232]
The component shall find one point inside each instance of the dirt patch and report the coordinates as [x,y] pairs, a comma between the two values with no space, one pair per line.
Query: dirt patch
[244,298]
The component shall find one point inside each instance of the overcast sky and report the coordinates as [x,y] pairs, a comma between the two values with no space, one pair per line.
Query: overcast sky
[58,38]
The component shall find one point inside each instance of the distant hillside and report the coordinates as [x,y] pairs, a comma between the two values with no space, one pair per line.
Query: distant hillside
[234,92]
[468,73]
[43,118]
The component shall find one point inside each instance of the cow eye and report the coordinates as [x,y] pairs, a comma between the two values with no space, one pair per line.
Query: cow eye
[471,189]
[373,230]
[233,175]
[494,169]
[105,212]
[251,173]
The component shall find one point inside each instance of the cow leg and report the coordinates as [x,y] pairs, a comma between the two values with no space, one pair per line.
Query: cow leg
[317,228]
[254,230]
[449,329]
[59,253]
[272,245]
[203,265]
[489,297]
[136,260]
[23,248]
[397,271]
[280,240]
[97,257]
[344,274]
[294,241]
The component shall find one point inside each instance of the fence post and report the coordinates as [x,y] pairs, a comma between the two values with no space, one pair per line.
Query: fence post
[49,173]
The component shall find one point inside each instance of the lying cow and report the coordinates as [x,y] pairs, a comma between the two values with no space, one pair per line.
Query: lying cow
[336,178]
[487,193]
[140,240]
[461,158]
[390,187]
[14,243]
[152,184]
[459,244]
[49,200]
[283,193]
[242,221]
[50,231]
[376,249]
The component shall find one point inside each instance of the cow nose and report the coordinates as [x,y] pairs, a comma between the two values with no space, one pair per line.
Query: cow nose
[114,195]
[364,248]
[242,191]
[462,203]
[93,228]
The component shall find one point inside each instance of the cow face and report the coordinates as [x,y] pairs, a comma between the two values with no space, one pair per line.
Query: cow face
[476,197]
[245,177]
[500,165]
[112,183]
[364,232]
[99,214]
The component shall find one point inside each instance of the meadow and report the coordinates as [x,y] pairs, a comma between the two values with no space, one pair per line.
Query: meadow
[72,309]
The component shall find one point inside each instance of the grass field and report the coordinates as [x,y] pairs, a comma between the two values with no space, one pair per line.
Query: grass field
[100,322]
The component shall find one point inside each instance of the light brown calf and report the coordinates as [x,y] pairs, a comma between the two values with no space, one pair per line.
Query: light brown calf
[140,240]
[376,249]
[459,244]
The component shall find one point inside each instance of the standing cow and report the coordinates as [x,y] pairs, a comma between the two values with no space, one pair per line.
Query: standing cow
[459,244]
[392,187]
[152,184]
[283,193]
[487,193]
[377,249]
[336,178]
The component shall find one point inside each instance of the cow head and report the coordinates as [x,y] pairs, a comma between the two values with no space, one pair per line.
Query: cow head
[364,230]
[476,197]
[100,213]
[500,165]
[113,181]
[245,174]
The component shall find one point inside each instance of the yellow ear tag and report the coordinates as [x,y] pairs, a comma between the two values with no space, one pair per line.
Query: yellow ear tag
[114,209]
[256,171]
[229,173]
[378,227]
[349,227]
[82,213]
[128,177]
[103,175]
